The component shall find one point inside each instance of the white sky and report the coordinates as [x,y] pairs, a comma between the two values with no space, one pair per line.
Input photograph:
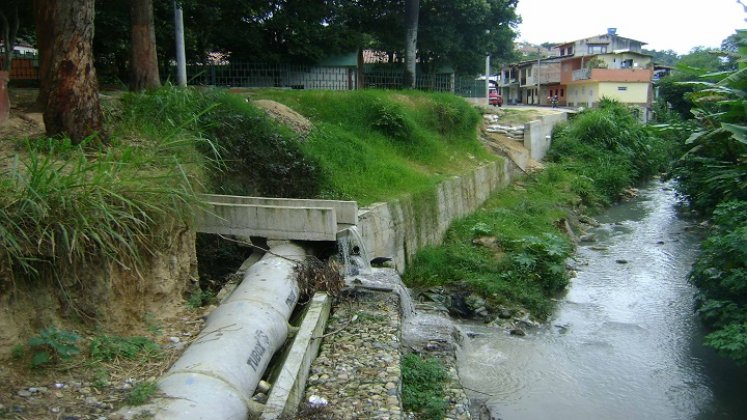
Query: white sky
[678,25]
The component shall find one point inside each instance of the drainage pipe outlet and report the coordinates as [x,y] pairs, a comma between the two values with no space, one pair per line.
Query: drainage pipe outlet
[217,375]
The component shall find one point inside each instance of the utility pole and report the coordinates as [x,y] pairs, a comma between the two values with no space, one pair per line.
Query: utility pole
[181,56]
[487,79]
[539,67]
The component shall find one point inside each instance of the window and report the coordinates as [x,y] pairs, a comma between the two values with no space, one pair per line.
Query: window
[562,51]
[622,88]
[562,93]
[626,64]
[597,49]
[570,50]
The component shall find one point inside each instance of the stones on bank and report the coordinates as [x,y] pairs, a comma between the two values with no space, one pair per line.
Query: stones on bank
[357,372]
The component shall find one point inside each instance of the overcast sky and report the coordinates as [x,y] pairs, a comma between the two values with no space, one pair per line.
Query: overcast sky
[678,25]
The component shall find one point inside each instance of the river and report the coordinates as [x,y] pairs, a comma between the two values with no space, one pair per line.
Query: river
[623,343]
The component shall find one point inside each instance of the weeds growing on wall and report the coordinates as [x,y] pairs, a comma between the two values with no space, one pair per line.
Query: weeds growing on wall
[509,250]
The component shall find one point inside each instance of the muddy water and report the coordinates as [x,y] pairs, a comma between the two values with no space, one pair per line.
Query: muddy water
[624,342]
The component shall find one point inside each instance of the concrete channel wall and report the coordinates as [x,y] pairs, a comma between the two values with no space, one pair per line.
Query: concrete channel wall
[400,228]
[537,134]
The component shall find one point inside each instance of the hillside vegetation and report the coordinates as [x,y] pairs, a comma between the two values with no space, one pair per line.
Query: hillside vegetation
[64,208]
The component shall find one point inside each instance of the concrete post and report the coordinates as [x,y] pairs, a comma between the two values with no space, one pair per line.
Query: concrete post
[181,56]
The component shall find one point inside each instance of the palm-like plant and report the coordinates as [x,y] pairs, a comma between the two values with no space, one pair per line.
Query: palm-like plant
[715,167]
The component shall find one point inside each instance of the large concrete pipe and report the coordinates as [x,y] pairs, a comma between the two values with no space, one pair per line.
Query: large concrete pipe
[217,374]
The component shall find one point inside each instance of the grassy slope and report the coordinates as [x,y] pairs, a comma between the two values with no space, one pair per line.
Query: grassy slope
[378,145]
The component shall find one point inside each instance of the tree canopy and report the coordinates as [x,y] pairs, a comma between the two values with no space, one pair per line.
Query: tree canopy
[458,33]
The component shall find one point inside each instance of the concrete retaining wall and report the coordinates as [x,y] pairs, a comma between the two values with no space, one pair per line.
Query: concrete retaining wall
[398,229]
[536,134]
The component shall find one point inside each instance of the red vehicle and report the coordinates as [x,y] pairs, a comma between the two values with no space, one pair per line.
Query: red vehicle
[494,98]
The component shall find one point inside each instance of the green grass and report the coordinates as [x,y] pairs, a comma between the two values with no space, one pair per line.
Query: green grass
[141,393]
[109,347]
[378,145]
[523,260]
[423,386]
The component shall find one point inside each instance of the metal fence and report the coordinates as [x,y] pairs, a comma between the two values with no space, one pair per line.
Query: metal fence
[23,67]
[268,75]
[326,77]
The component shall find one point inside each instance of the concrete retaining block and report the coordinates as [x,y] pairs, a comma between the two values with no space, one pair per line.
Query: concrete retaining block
[288,390]
[272,222]
[345,211]
[537,134]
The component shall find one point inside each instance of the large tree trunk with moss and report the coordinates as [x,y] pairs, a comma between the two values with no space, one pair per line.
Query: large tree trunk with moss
[412,11]
[43,13]
[73,104]
[144,63]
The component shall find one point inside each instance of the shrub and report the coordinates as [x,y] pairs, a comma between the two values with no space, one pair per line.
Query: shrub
[389,119]
[611,148]
[53,345]
[720,273]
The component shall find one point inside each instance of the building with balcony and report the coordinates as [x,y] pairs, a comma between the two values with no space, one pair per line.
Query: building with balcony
[531,82]
[582,72]
[623,76]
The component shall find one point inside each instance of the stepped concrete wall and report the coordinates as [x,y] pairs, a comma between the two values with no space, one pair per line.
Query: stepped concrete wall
[398,229]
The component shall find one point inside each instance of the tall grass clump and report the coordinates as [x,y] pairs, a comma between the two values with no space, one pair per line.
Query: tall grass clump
[61,217]
[609,147]
[69,213]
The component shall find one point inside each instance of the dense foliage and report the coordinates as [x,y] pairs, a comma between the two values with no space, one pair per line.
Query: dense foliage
[713,177]
[609,147]
[720,273]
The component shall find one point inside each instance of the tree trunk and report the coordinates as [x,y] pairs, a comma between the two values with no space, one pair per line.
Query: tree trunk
[144,63]
[73,104]
[412,10]
[43,12]
[10,29]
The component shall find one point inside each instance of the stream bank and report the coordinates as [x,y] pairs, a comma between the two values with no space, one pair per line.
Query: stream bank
[624,341]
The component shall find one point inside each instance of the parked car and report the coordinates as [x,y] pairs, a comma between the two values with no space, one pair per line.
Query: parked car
[494,98]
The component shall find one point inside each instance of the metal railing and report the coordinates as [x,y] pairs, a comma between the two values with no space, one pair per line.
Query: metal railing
[582,74]
[23,67]
[269,75]
[329,78]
